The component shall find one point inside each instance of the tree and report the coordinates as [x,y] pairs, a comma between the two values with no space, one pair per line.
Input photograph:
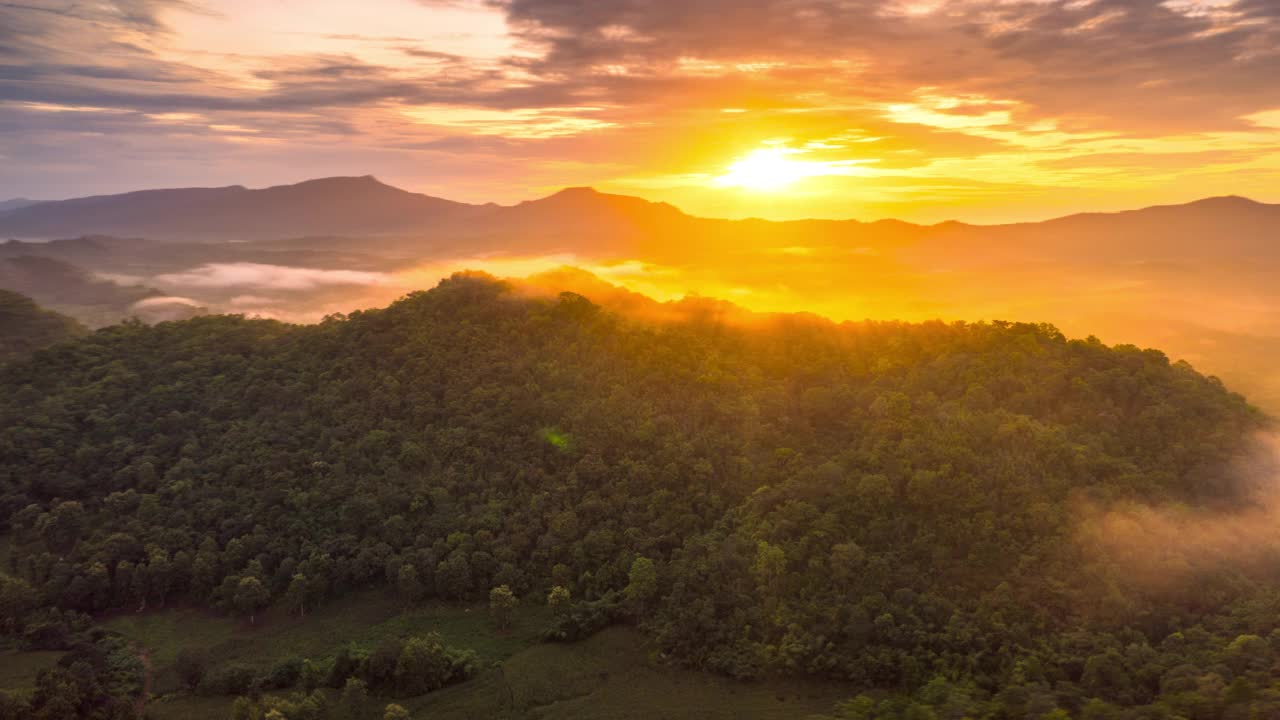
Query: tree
[242,709]
[140,585]
[395,712]
[345,665]
[769,565]
[312,706]
[453,576]
[354,696]
[191,666]
[295,596]
[62,527]
[558,599]
[312,676]
[250,596]
[408,585]
[161,574]
[502,603]
[423,666]
[16,599]
[642,584]
[1105,676]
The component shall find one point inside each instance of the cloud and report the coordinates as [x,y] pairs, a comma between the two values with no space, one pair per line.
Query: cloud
[1048,54]
[250,301]
[276,277]
[1044,53]
[167,308]
[445,95]
[153,302]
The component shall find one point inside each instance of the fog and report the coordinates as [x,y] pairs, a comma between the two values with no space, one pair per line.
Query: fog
[1163,549]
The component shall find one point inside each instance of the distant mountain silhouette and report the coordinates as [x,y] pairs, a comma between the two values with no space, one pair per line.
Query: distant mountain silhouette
[26,327]
[54,282]
[15,203]
[1197,279]
[341,205]
[1204,229]
[326,214]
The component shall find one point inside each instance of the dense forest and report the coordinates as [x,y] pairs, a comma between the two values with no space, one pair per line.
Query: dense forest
[26,327]
[906,507]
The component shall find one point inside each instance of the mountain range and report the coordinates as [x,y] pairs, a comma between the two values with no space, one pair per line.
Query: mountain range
[592,223]
[1195,279]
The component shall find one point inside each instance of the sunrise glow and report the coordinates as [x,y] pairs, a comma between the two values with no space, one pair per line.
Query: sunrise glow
[768,169]
[880,110]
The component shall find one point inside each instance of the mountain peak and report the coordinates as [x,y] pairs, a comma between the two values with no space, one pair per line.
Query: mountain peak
[1227,201]
[584,197]
[577,191]
[342,205]
[340,181]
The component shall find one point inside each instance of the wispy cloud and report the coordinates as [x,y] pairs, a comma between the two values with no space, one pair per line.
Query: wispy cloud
[504,99]
[274,277]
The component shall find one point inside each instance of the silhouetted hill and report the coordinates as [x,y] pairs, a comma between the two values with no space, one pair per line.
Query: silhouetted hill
[26,327]
[140,257]
[589,203]
[340,205]
[578,220]
[55,282]
[93,248]
[589,223]
[15,203]
[1212,229]
[70,289]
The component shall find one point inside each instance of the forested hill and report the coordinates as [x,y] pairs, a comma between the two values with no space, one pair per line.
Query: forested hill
[26,327]
[899,505]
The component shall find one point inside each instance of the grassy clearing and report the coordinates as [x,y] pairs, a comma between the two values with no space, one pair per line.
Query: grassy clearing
[18,669]
[360,619]
[186,707]
[607,676]
[166,632]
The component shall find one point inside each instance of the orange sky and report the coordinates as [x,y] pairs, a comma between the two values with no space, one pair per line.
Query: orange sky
[984,110]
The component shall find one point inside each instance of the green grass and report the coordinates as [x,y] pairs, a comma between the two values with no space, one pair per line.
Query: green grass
[608,676]
[18,669]
[188,707]
[165,633]
[360,619]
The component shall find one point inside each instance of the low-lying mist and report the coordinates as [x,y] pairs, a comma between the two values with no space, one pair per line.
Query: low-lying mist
[1224,323]
[1162,549]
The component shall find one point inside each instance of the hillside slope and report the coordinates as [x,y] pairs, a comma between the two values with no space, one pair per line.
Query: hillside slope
[26,327]
[882,503]
[339,205]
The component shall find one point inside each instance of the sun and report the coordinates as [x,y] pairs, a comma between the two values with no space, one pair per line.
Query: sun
[769,168]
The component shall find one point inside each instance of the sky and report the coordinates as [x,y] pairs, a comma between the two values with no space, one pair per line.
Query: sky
[925,110]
